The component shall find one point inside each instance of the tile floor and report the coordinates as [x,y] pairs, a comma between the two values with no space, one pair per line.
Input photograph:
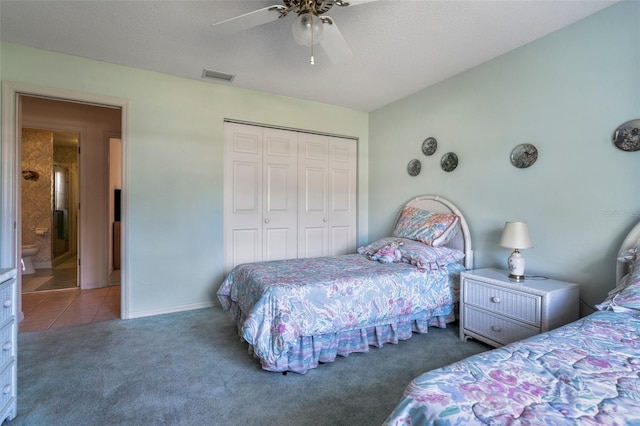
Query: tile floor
[52,299]
[45,310]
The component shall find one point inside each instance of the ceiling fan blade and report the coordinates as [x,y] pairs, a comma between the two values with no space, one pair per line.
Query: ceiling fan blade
[249,20]
[333,44]
[352,2]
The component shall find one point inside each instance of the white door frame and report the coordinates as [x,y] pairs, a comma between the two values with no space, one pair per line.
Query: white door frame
[10,185]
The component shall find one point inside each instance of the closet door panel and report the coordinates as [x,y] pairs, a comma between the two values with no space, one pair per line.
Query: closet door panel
[242,192]
[315,242]
[280,195]
[313,197]
[244,245]
[341,240]
[342,190]
[246,188]
[278,244]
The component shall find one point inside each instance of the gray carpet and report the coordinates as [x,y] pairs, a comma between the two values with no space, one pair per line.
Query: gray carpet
[191,368]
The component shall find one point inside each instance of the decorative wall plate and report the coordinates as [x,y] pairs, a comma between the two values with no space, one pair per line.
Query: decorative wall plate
[449,162]
[414,167]
[627,136]
[429,146]
[524,155]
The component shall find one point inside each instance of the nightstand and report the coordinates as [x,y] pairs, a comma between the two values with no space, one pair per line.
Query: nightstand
[497,310]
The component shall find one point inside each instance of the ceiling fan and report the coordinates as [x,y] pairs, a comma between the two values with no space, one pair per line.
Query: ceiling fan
[310,28]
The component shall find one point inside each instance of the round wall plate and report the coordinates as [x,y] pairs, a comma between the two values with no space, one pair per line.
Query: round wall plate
[627,136]
[524,155]
[449,162]
[429,146]
[414,167]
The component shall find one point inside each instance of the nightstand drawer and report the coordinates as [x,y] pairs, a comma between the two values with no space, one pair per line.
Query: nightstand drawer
[496,328]
[518,305]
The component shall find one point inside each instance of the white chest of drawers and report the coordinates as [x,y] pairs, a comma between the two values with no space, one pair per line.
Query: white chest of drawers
[497,310]
[8,344]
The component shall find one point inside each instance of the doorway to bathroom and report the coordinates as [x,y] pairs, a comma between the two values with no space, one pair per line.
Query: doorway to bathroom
[94,233]
[75,149]
[48,207]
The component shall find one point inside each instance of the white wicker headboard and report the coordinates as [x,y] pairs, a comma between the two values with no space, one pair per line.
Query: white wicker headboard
[437,204]
[632,240]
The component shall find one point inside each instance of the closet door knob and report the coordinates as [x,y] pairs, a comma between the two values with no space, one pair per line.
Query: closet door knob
[6,346]
[7,303]
[495,299]
[324,220]
[6,389]
[496,328]
[266,221]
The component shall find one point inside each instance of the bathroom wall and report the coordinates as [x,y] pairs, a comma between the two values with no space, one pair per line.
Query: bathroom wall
[37,155]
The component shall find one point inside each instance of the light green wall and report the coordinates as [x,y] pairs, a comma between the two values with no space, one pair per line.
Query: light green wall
[566,93]
[175,164]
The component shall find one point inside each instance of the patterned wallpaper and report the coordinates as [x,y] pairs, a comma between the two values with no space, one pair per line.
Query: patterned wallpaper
[65,155]
[37,196]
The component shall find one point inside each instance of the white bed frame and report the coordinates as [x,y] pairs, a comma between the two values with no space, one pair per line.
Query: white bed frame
[437,204]
[632,240]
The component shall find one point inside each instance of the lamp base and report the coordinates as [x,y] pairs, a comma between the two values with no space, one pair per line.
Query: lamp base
[515,265]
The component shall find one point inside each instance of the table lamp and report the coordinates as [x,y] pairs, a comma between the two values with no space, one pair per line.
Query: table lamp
[516,236]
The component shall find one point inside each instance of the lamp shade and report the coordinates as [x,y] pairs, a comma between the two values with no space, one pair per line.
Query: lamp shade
[516,236]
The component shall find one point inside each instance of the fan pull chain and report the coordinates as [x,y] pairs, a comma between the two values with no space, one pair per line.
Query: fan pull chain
[312,61]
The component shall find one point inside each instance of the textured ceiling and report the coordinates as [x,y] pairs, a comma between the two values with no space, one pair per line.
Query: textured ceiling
[399,46]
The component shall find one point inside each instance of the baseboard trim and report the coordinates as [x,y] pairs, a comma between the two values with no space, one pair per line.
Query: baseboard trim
[169,310]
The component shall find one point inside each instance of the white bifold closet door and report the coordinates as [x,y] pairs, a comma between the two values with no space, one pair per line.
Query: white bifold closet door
[326,195]
[260,194]
[287,194]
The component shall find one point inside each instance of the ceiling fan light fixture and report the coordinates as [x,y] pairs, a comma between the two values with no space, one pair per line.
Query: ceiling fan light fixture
[307,29]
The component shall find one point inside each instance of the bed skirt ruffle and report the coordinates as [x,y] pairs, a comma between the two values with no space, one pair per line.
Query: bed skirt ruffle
[309,351]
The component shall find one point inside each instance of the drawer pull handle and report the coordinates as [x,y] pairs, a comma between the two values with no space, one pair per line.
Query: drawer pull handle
[496,328]
[6,346]
[7,303]
[495,299]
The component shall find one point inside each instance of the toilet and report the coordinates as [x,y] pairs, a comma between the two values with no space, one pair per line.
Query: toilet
[28,250]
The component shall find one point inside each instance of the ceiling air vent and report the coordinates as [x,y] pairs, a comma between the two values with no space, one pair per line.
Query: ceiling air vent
[217,75]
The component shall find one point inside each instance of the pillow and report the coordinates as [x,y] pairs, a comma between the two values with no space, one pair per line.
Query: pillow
[371,249]
[389,253]
[428,257]
[434,229]
[626,296]
[413,252]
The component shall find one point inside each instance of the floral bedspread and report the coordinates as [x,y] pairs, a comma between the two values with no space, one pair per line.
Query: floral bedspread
[585,373]
[274,303]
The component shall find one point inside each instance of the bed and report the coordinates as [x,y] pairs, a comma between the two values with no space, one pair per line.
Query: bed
[584,373]
[298,313]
